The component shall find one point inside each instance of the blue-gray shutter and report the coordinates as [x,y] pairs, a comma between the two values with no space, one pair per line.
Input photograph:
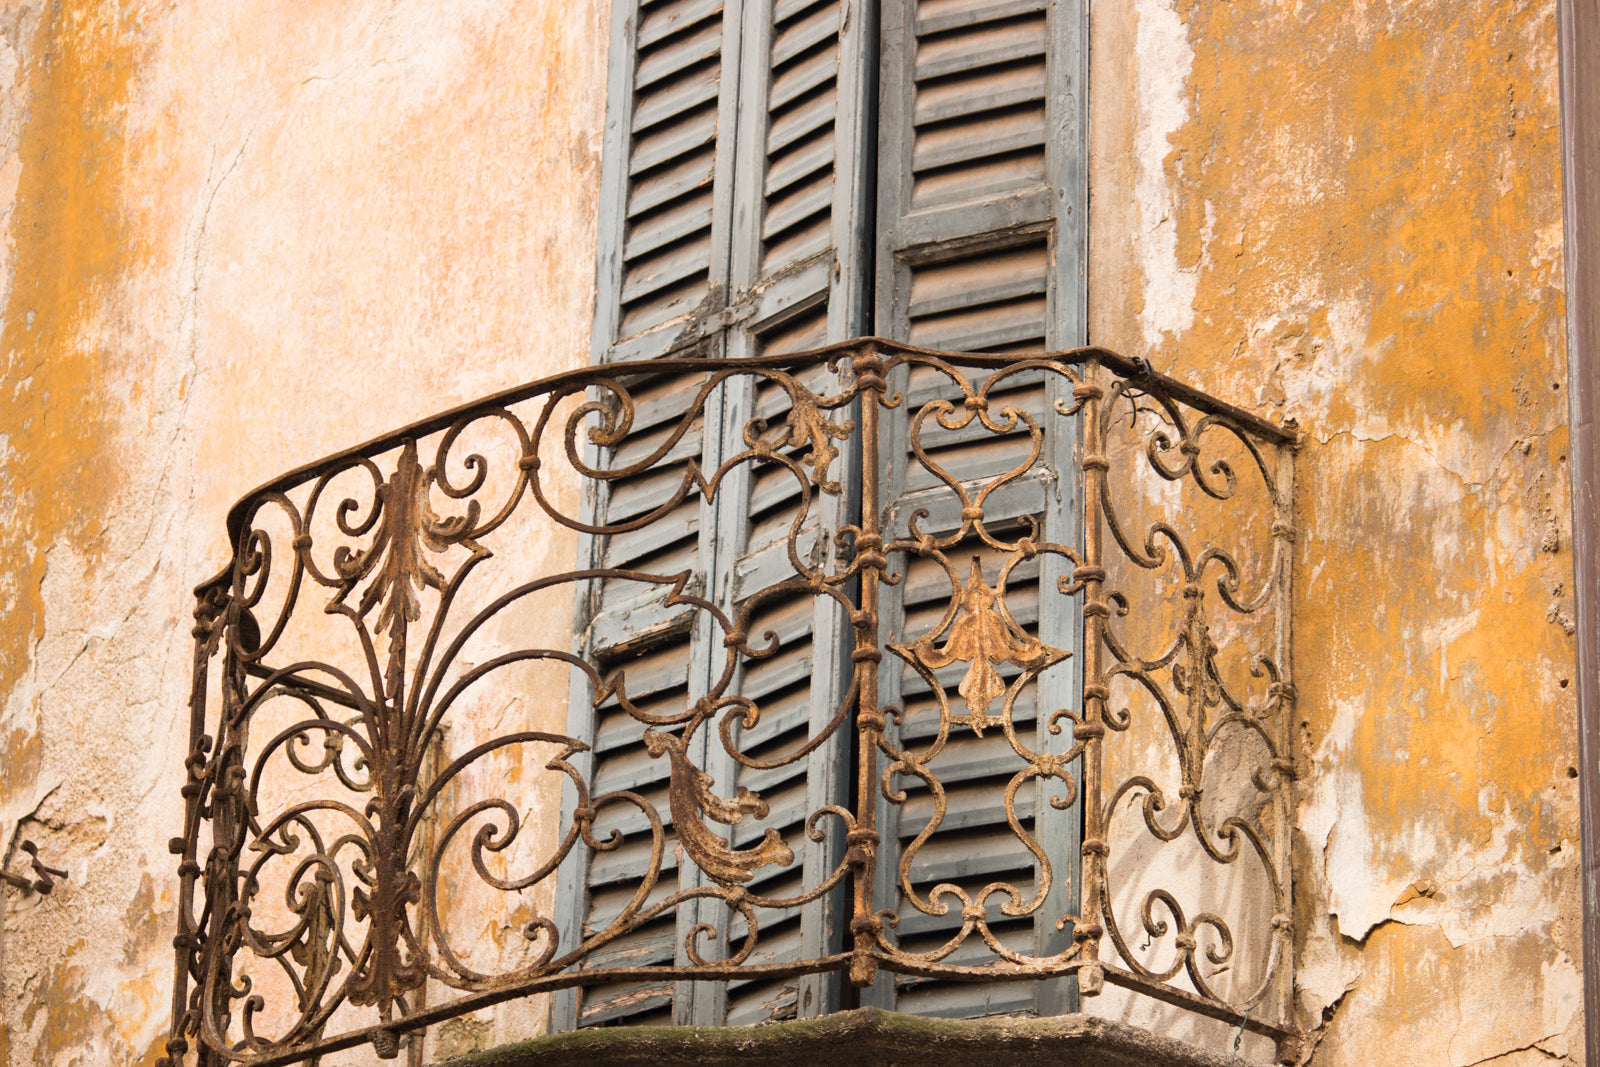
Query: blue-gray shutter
[981,247]
[666,198]
[731,223]
[800,250]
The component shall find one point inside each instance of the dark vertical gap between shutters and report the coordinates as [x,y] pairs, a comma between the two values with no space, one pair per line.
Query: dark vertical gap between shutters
[977,251]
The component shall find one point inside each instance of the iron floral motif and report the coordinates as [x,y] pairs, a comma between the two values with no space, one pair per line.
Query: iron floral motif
[983,635]
[692,802]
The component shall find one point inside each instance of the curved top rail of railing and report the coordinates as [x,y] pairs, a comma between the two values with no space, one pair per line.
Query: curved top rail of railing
[1123,366]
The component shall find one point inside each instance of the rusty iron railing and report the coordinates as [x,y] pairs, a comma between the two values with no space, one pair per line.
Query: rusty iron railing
[341,819]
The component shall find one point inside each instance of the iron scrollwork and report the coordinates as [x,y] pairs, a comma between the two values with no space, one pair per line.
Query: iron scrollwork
[348,797]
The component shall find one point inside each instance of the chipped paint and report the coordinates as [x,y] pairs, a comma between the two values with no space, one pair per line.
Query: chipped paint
[1366,219]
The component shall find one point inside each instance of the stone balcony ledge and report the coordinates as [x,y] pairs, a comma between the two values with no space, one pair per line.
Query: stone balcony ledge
[865,1037]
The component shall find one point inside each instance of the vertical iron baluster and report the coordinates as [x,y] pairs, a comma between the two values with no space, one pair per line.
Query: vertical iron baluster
[1091,976]
[1283,532]
[862,841]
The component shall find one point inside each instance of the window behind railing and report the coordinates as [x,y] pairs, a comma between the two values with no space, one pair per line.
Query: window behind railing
[780,175]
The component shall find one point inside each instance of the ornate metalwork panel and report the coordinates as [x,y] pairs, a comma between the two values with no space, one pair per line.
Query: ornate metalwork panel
[375,815]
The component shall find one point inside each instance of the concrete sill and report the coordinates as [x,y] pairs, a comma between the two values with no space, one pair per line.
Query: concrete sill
[866,1036]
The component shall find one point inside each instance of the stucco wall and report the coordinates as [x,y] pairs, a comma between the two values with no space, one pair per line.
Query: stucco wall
[1350,215]
[237,237]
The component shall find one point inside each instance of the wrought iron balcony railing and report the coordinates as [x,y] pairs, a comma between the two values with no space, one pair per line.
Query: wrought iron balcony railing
[983,677]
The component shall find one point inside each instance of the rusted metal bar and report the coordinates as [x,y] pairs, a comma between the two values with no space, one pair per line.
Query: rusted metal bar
[1182,998]
[44,878]
[1122,365]
[862,839]
[1284,532]
[1095,693]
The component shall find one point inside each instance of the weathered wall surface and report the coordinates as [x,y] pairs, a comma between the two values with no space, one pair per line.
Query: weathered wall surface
[236,238]
[1350,214]
[233,243]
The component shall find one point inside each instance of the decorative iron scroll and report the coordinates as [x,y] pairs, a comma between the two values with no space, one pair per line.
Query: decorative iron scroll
[351,792]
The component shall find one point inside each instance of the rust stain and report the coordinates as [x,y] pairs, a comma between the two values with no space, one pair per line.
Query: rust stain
[142,924]
[71,245]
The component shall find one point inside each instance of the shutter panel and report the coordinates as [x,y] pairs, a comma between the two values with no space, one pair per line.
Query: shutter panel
[980,248]
[666,200]
[727,230]
[798,269]
[666,191]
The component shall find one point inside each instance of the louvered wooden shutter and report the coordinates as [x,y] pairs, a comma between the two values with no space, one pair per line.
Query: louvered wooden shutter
[981,207]
[798,270]
[666,197]
[732,204]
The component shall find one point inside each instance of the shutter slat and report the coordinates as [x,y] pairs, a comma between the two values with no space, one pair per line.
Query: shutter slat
[629,548]
[953,143]
[988,46]
[980,330]
[820,68]
[691,174]
[702,44]
[960,98]
[673,225]
[982,280]
[668,19]
[955,219]
[784,10]
[803,203]
[938,16]
[694,131]
[655,273]
[688,89]
[820,25]
[805,121]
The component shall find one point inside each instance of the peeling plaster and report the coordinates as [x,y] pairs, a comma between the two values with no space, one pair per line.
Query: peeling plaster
[1164,60]
[1366,230]
[259,246]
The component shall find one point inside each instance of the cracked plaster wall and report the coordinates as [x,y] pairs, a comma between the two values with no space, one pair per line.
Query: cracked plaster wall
[236,237]
[1350,214]
[231,245]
